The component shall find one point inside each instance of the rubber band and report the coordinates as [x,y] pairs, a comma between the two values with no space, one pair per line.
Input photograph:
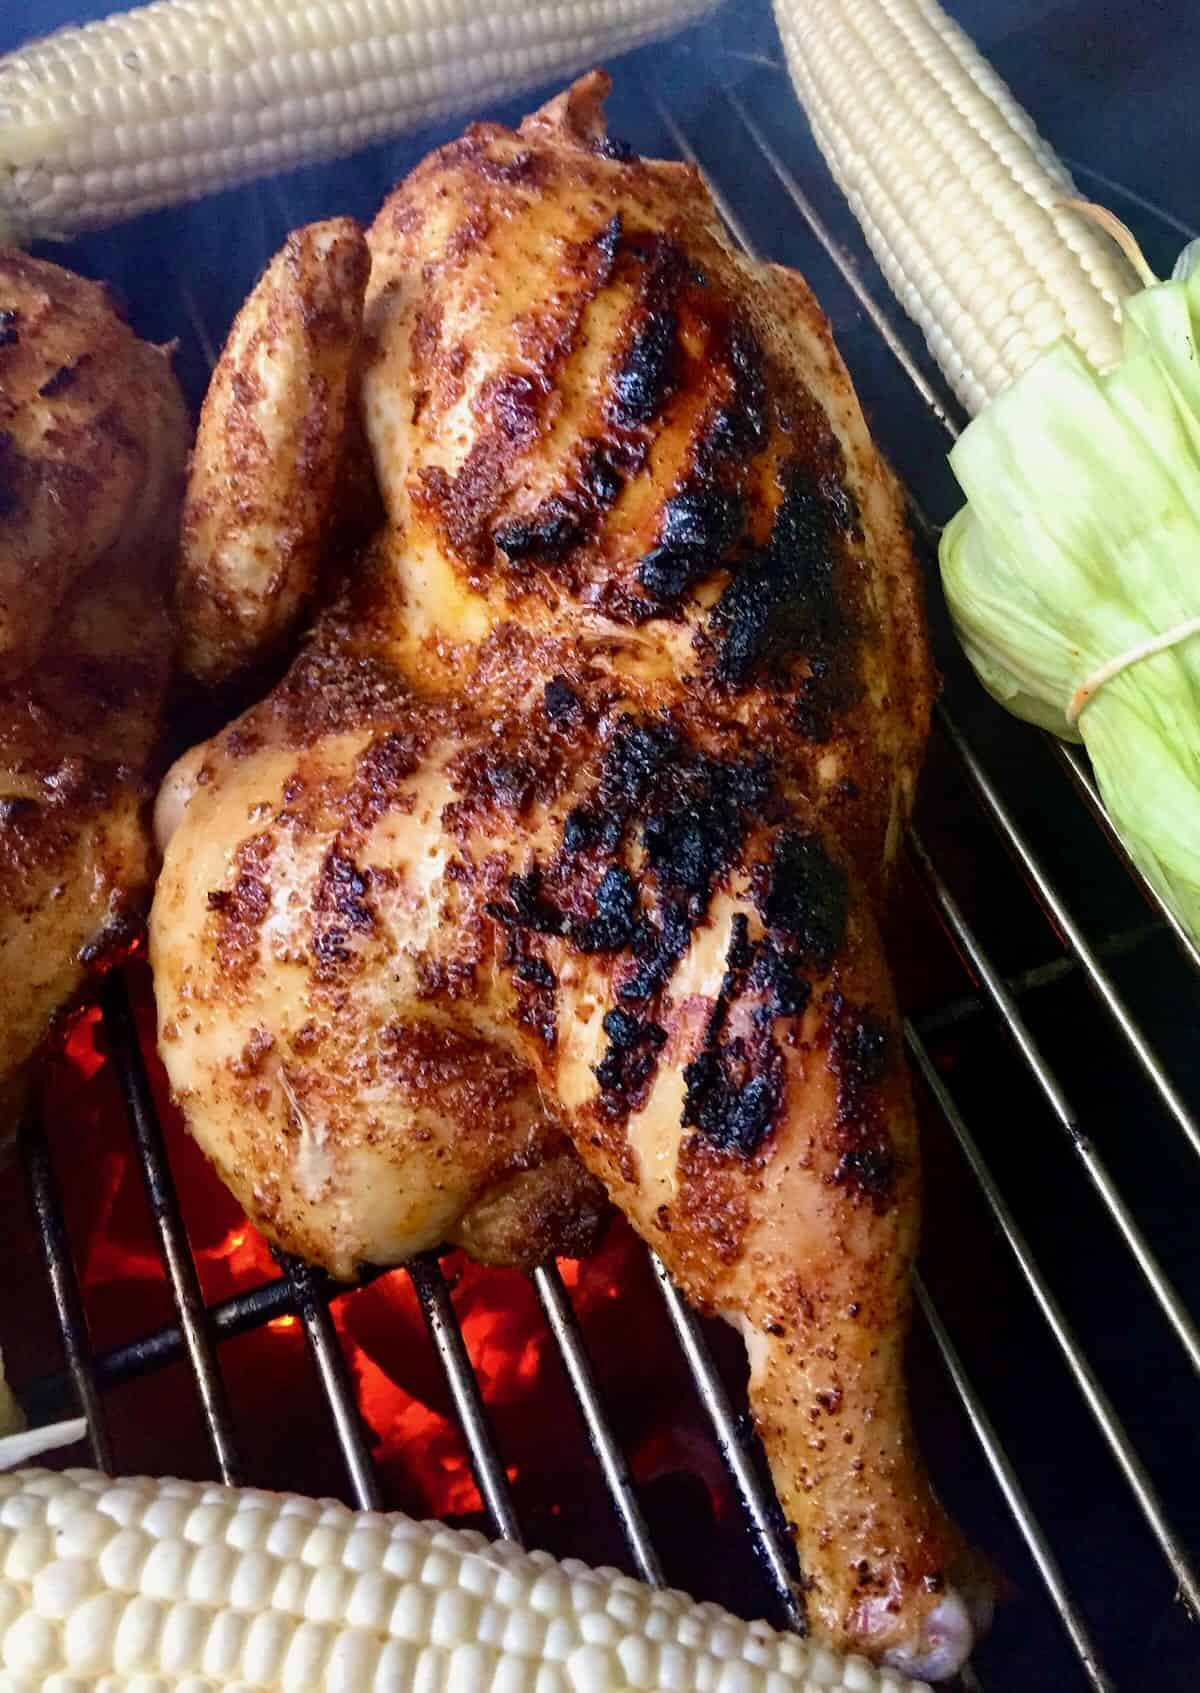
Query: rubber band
[1114,666]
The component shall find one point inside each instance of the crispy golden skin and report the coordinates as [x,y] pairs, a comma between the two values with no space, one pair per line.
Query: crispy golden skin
[92,434]
[571,805]
[260,493]
[93,439]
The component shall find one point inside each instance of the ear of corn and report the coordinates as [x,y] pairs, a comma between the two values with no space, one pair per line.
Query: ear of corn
[182,97]
[138,1586]
[959,197]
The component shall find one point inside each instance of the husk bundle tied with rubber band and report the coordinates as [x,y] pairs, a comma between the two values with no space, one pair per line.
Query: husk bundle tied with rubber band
[1079,546]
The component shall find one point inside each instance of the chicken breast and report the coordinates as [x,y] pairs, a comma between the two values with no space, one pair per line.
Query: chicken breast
[568,818]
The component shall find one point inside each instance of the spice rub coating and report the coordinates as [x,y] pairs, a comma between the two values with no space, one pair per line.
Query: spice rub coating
[565,826]
[93,440]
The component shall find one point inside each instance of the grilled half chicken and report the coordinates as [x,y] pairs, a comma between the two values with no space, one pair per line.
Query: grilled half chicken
[567,820]
[93,442]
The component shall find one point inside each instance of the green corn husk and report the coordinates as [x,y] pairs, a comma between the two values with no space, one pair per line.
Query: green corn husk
[1080,539]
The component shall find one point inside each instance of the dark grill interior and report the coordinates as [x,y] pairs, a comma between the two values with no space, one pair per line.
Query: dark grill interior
[1052,1015]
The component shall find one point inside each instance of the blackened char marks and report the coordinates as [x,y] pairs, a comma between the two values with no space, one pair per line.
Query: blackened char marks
[560,701]
[657,947]
[547,536]
[690,812]
[782,603]
[739,429]
[705,521]
[862,1053]
[341,909]
[611,147]
[615,919]
[564,521]
[536,1001]
[509,408]
[694,809]
[629,1063]
[777,973]
[527,906]
[536,972]
[734,1092]
[694,812]
[690,843]
[734,1087]
[804,896]
[699,526]
[240,910]
[645,377]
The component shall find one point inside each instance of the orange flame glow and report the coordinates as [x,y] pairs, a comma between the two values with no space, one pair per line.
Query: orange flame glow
[281,1420]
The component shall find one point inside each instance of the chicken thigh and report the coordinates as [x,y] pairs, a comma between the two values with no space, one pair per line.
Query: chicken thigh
[567,820]
[93,440]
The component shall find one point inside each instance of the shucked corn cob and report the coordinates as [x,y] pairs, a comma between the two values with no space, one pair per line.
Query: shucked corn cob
[182,97]
[958,195]
[176,1587]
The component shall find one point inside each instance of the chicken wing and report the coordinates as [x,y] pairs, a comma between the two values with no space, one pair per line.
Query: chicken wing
[93,439]
[576,796]
[260,496]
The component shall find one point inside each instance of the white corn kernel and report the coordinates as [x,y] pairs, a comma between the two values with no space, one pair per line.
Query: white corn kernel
[89,1633]
[60,1586]
[138,1633]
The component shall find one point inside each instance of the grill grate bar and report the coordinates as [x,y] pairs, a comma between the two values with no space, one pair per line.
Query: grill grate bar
[49,1396]
[1170,1303]
[64,1284]
[1026,983]
[174,1247]
[1097,1400]
[330,1361]
[560,1315]
[769,1542]
[1097,975]
[486,1463]
[1015,1497]
[1074,761]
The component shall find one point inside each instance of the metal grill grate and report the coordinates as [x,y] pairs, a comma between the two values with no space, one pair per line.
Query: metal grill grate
[728,123]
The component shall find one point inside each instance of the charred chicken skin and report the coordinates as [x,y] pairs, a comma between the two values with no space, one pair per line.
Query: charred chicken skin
[93,442]
[564,826]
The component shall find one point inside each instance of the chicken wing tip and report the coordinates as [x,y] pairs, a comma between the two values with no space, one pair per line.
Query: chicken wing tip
[577,114]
